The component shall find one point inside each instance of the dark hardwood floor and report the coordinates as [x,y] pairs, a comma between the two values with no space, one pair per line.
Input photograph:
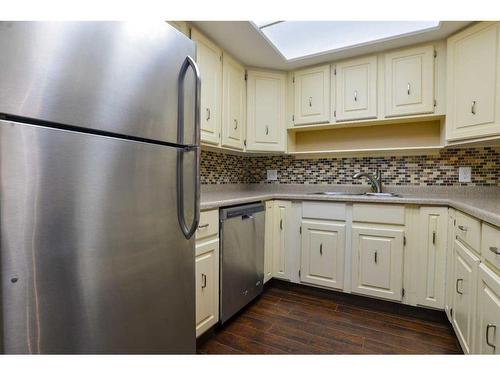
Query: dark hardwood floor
[293,319]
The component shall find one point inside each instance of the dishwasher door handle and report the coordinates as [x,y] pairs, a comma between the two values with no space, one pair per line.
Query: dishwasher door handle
[245,217]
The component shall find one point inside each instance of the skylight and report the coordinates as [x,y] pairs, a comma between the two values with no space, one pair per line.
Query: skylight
[298,39]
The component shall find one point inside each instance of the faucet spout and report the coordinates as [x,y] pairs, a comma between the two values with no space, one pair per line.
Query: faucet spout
[376,181]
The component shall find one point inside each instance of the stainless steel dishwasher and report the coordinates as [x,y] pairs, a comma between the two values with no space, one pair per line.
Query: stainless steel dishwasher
[242,257]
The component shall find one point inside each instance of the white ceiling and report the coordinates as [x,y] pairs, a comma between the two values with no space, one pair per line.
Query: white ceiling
[244,41]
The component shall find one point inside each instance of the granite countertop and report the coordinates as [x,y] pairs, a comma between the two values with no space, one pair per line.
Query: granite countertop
[480,202]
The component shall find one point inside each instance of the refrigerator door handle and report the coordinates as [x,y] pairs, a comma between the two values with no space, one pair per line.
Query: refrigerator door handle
[188,231]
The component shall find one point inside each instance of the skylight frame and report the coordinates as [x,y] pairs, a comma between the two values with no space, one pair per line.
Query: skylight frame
[266,24]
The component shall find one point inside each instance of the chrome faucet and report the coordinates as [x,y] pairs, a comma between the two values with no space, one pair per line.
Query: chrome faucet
[376,181]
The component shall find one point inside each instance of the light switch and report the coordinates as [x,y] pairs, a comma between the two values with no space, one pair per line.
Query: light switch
[464,174]
[272,175]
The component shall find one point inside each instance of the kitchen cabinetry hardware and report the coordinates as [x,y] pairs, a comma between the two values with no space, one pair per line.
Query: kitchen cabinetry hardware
[203,226]
[235,124]
[488,336]
[494,250]
[355,95]
[208,113]
[462,228]
[203,281]
[408,89]
[310,101]
[281,224]
[321,249]
[375,257]
[434,238]
[473,107]
[267,129]
[456,286]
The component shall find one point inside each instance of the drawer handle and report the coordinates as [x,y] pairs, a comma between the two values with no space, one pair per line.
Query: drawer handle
[456,286]
[208,114]
[281,224]
[494,250]
[203,281]
[320,249]
[235,124]
[245,217]
[434,237]
[375,257]
[488,336]
[203,226]
[473,107]
[462,228]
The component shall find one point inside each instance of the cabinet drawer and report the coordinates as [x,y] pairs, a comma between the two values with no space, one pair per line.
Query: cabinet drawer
[468,230]
[379,213]
[209,224]
[323,210]
[490,244]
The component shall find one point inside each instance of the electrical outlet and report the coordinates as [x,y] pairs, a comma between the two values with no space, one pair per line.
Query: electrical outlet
[464,174]
[272,175]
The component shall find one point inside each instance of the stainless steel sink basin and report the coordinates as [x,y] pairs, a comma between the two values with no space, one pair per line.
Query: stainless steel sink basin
[345,193]
[337,193]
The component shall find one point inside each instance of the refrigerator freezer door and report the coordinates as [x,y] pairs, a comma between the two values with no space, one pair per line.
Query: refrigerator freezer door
[118,77]
[92,256]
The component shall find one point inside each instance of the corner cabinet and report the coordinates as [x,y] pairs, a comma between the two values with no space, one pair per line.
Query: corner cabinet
[409,81]
[377,261]
[265,111]
[431,256]
[473,83]
[233,98]
[323,248]
[356,89]
[312,95]
[209,58]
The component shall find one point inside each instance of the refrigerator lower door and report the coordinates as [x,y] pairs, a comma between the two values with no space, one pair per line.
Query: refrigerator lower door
[92,256]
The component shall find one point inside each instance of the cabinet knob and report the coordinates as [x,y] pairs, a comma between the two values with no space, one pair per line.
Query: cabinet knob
[494,250]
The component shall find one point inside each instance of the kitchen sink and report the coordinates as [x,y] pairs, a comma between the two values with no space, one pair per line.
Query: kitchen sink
[345,193]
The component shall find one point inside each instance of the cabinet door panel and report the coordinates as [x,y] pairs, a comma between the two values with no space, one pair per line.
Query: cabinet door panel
[464,299]
[268,242]
[265,111]
[312,95]
[450,264]
[207,285]
[473,82]
[280,235]
[431,257]
[377,262]
[356,82]
[488,312]
[233,126]
[323,247]
[209,59]
[410,81]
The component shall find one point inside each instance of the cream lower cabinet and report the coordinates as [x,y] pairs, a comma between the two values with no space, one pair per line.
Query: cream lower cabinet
[431,256]
[377,261]
[464,299]
[487,336]
[449,291]
[207,271]
[322,258]
[281,234]
[268,242]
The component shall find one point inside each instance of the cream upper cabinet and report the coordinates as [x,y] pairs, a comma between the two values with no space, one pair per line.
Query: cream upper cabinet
[233,103]
[431,257]
[409,81]
[464,299]
[268,242]
[265,111]
[209,58]
[487,336]
[281,213]
[377,262]
[312,95]
[356,93]
[473,83]
[207,285]
[323,247]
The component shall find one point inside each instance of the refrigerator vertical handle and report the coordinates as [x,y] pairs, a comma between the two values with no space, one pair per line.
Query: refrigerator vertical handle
[188,231]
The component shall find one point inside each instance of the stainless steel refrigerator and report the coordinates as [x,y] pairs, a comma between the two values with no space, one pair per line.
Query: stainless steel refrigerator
[99,187]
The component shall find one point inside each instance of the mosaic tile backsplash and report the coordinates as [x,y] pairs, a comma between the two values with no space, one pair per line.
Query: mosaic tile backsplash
[422,170]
